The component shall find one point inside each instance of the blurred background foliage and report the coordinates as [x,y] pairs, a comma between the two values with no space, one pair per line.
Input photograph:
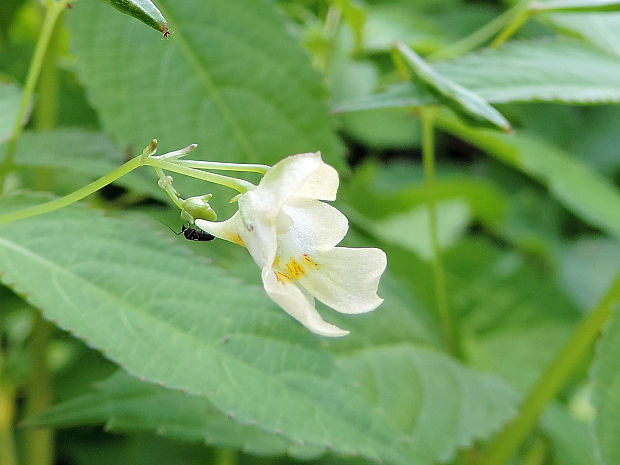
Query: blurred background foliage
[528,223]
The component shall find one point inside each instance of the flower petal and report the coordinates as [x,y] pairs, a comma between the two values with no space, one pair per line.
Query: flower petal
[297,304]
[321,184]
[303,175]
[260,240]
[346,279]
[316,226]
[228,230]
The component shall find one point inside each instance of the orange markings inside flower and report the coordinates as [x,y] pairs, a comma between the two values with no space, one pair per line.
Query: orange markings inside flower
[282,278]
[295,269]
[308,261]
[236,238]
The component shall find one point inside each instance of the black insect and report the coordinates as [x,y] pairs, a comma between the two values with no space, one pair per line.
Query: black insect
[192,234]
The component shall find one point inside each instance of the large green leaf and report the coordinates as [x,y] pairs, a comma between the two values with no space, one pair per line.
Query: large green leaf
[175,320]
[395,379]
[230,78]
[552,70]
[126,404]
[606,394]
[10,95]
[589,195]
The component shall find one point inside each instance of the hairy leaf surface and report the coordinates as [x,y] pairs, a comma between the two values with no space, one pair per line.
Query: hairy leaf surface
[177,321]
[229,78]
[126,404]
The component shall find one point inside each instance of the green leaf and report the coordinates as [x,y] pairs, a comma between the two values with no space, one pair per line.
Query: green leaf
[571,439]
[557,70]
[396,379]
[587,194]
[461,99]
[575,5]
[606,393]
[453,217]
[10,96]
[132,294]
[387,24]
[125,404]
[552,70]
[378,192]
[507,309]
[388,127]
[601,29]
[578,258]
[230,79]
[144,10]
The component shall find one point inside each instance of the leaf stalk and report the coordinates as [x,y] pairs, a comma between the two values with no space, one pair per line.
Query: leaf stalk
[554,377]
[52,12]
[446,324]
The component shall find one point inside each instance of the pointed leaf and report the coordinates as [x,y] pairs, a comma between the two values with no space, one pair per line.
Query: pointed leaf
[462,100]
[552,70]
[144,10]
[230,79]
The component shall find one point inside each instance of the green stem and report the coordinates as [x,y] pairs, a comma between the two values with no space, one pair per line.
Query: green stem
[480,36]
[237,184]
[74,196]
[213,165]
[51,16]
[171,191]
[46,107]
[144,159]
[39,442]
[556,375]
[516,22]
[427,115]
[7,416]
[537,453]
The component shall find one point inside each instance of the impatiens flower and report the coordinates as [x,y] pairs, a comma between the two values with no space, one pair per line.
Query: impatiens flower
[292,237]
